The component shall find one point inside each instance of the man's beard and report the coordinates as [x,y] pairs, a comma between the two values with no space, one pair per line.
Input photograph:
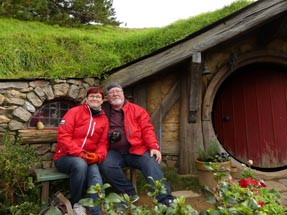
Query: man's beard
[117,102]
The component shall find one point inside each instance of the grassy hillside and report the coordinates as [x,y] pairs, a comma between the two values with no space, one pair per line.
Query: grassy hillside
[37,50]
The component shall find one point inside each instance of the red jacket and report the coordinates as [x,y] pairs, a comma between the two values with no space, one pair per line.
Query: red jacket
[138,128]
[79,131]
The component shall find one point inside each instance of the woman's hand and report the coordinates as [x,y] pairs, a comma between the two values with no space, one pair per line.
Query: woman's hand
[90,157]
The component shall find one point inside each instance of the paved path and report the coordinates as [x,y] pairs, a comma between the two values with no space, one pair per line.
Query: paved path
[281,186]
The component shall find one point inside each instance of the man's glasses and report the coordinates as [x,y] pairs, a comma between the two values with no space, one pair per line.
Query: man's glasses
[115,92]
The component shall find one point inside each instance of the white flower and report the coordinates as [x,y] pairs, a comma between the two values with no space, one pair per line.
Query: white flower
[250,162]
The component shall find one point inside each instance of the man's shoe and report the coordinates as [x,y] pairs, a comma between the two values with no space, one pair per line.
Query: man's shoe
[166,202]
[79,209]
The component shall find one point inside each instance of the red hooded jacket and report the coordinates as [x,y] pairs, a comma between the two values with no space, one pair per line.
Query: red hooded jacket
[138,128]
[79,131]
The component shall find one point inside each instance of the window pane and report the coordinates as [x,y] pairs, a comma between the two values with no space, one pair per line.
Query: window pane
[50,114]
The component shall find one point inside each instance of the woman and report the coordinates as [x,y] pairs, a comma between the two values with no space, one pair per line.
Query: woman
[82,145]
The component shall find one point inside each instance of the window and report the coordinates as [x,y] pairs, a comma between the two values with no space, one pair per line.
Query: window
[50,114]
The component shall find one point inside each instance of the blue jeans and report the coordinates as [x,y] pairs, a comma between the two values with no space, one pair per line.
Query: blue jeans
[115,161]
[82,176]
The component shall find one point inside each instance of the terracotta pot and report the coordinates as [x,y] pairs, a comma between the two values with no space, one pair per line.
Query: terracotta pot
[235,173]
[206,178]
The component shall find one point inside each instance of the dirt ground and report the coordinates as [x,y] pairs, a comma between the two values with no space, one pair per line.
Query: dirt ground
[198,202]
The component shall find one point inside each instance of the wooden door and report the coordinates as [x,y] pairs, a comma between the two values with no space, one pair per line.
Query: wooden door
[250,115]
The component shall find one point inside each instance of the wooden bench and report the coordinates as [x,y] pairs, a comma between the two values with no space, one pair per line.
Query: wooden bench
[45,176]
[52,174]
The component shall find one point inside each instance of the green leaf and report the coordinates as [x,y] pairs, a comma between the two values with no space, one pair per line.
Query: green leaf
[114,197]
[88,202]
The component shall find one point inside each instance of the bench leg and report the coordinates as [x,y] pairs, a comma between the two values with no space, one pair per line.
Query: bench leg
[45,192]
[132,175]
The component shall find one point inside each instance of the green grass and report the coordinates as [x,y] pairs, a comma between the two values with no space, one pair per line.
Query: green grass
[38,50]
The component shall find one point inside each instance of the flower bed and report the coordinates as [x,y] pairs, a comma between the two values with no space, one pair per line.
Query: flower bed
[247,195]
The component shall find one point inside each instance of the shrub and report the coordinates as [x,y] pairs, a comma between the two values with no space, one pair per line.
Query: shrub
[17,188]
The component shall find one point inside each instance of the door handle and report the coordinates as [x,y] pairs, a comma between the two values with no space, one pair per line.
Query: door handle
[226,118]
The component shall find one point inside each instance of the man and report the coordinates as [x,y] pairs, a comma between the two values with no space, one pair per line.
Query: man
[132,143]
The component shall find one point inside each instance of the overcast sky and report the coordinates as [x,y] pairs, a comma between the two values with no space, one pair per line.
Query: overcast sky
[159,13]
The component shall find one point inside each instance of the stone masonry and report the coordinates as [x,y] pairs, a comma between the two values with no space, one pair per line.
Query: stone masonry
[20,99]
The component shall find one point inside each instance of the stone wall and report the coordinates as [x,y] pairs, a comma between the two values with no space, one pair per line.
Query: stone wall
[20,99]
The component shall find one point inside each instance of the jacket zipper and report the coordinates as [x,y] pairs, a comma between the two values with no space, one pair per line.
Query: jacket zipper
[91,119]
[94,125]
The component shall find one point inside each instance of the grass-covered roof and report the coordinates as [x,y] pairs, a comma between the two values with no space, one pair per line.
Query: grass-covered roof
[38,50]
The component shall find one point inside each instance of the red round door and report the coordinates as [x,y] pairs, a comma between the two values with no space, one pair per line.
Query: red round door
[250,115]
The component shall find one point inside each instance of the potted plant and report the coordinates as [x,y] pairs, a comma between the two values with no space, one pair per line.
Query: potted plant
[212,162]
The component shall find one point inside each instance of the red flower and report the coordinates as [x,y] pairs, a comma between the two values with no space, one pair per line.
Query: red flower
[245,182]
[261,203]
[262,184]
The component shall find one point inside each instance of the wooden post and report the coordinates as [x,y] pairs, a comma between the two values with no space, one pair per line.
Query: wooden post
[191,136]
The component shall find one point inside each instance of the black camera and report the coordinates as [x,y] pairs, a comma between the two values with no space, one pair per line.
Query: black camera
[114,137]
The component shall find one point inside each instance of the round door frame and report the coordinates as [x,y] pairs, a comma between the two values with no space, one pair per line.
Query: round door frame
[245,59]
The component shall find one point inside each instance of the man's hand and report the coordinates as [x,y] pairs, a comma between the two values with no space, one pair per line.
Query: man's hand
[90,157]
[157,154]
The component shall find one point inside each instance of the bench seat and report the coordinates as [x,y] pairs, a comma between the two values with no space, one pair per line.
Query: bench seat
[52,174]
[49,174]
